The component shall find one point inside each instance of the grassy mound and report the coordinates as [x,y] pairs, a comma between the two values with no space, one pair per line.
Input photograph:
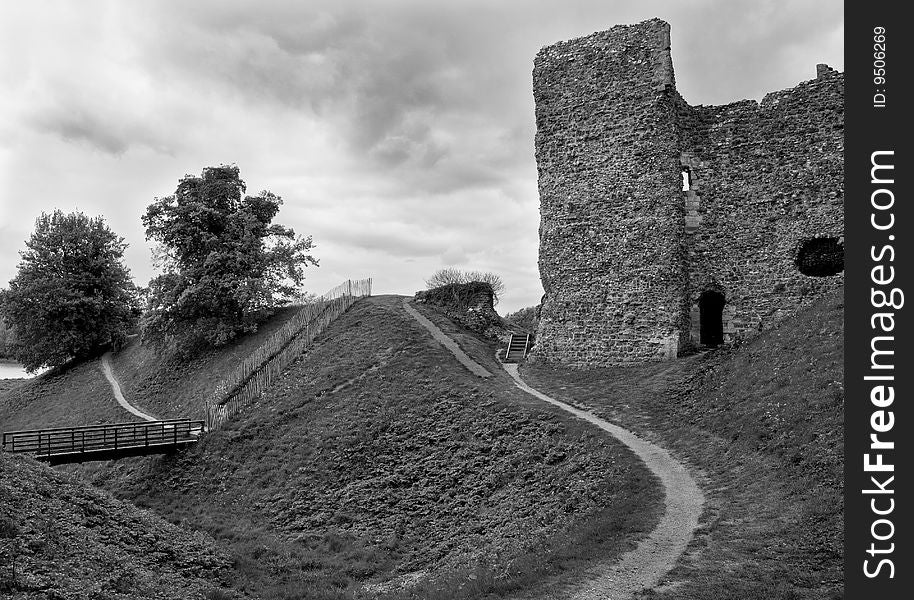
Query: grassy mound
[60,538]
[170,387]
[160,385]
[379,460]
[79,395]
[764,423]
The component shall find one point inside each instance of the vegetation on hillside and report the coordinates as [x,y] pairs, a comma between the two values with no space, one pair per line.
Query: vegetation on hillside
[378,459]
[763,422]
[72,297]
[379,467]
[160,384]
[61,538]
[524,319]
[225,264]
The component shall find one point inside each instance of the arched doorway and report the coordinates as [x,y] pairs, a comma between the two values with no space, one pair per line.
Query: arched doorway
[711,315]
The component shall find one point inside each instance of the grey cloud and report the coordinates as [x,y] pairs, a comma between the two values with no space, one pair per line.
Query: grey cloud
[386,240]
[81,126]
[383,75]
[99,125]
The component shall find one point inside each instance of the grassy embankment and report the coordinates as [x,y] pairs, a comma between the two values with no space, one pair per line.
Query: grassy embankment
[61,538]
[763,423]
[377,460]
[160,385]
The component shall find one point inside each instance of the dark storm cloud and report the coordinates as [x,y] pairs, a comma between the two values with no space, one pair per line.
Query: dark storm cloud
[98,128]
[76,125]
[391,78]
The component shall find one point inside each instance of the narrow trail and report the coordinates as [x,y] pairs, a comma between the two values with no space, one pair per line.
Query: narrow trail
[655,555]
[446,341]
[116,388]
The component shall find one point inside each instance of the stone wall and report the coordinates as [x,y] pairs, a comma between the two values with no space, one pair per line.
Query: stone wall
[611,213]
[625,252]
[470,304]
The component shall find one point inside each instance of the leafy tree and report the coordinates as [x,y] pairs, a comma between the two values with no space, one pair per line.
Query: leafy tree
[6,340]
[225,266]
[72,297]
[451,276]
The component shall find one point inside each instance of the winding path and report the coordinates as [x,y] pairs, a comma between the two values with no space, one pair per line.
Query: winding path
[656,554]
[116,388]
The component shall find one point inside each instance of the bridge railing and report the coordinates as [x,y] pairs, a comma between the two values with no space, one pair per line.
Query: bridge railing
[263,366]
[111,436]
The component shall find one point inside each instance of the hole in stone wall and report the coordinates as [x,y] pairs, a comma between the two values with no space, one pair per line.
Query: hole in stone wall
[711,316]
[820,257]
[686,179]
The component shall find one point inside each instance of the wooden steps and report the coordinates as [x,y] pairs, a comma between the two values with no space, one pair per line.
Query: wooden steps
[518,346]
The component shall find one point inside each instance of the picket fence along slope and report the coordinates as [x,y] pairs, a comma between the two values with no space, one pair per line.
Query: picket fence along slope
[262,367]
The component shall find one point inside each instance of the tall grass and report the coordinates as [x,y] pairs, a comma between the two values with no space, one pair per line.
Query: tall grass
[261,368]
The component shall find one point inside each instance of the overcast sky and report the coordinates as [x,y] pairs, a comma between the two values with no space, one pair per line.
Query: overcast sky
[399,133]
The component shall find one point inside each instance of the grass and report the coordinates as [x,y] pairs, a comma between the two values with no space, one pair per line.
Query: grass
[378,458]
[9,384]
[169,387]
[378,467]
[79,395]
[763,424]
[61,538]
[157,384]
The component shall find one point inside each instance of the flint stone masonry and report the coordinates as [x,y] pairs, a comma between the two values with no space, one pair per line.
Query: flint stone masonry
[472,305]
[625,252]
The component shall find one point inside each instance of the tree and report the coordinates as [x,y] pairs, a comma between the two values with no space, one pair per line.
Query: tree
[72,297]
[451,276]
[225,266]
[6,340]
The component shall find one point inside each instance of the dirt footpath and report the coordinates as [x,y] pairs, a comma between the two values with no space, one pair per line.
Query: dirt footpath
[116,390]
[655,555]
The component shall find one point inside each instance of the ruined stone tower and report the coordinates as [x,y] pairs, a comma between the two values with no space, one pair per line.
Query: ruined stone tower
[664,226]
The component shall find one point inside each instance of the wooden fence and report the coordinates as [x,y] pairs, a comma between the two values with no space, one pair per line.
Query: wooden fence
[262,367]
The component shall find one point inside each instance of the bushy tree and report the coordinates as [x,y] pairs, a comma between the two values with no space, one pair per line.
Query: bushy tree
[72,297]
[450,276]
[6,340]
[225,266]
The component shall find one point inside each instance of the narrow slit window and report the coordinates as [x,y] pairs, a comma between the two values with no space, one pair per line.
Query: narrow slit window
[686,180]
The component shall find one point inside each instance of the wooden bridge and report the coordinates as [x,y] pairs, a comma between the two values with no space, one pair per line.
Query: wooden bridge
[103,442]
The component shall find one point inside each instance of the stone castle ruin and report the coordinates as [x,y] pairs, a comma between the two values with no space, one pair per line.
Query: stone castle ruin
[667,227]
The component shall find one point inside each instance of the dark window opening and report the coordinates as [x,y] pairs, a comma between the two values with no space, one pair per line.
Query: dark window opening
[821,257]
[711,315]
[686,179]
